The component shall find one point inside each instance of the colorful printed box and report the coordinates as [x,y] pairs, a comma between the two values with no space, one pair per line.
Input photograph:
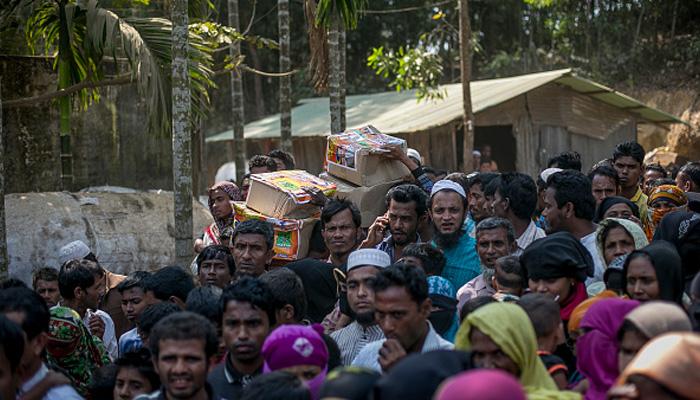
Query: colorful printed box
[280,194]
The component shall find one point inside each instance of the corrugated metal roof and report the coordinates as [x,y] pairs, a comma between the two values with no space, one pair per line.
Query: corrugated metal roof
[399,112]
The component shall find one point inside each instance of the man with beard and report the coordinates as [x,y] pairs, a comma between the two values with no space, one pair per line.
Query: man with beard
[406,212]
[448,208]
[248,316]
[363,267]
[341,223]
[495,238]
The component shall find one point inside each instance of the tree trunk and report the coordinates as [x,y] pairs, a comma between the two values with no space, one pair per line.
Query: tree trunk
[257,82]
[285,81]
[334,77]
[465,34]
[237,112]
[182,140]
[64,103]
[673,19]
[343,81]
[4,263]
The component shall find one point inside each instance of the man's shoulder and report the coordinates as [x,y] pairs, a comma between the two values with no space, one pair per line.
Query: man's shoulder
[150,396]
[369,352]
[62,392]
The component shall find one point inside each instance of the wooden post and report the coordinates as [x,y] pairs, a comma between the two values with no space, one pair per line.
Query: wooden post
[237,107]
[465,34]
[4,261]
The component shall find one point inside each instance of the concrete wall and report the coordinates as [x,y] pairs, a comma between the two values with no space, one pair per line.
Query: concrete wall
[127,231]
[110,141]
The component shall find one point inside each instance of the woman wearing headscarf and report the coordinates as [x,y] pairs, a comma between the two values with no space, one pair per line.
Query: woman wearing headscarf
[663,200]
[617,207]
[616,237]
[444,316]
[654,273]
[666,368]
[597,349]
[646,322]
[72,349]
[501,336]
[481,384]
[682,228]
[299,350]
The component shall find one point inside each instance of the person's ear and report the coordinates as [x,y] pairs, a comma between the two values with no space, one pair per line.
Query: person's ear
[154,359]
[38,344]
[568,210]
[176,300]
[286,313]
[513,247]
[426,307]
[270,254]
[78,293]
[423,219]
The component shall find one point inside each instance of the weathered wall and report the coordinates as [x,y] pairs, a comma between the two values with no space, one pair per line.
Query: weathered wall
[127,231]
[110,141]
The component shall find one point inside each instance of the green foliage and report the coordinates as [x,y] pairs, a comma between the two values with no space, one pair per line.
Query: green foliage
[410,68]
[348,10]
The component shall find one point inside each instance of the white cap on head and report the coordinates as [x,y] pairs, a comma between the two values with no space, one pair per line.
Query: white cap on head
[448,185]
[414,154]
[368,257]
[549,172]
[476,153]
[76,250]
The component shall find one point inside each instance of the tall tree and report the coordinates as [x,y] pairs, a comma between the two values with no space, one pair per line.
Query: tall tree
[4,263]
[237,111]
[465,34]
[181,134]
[285,81]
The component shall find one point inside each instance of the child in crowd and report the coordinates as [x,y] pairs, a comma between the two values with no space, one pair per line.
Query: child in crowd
[544,315]
[509,280]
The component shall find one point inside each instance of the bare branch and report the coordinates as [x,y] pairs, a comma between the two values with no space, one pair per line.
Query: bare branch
[31,101]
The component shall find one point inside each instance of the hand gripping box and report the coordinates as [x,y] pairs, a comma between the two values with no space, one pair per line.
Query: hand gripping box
[356,156]
[280,194]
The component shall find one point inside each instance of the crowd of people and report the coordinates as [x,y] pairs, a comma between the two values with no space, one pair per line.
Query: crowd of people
[481,285]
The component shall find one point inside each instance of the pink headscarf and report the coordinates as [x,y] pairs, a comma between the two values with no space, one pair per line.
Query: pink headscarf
[597,349]
[293,345]
[482,384]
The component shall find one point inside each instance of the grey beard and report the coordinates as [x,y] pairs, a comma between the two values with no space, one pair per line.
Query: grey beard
[488,273]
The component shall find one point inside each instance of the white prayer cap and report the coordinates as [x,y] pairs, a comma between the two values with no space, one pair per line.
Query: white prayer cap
[76,250]
[549,172]
[413,153]
[448,185]
[476,153]
[365,257]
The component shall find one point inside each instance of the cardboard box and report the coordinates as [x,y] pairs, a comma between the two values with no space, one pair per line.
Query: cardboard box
[291,241]
[356,156]
[369,199]
[280,195]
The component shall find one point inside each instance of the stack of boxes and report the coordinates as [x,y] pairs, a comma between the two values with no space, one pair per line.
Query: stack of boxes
[354,163]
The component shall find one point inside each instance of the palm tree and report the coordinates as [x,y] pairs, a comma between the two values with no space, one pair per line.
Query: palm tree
[337,16]
[182,139]
[237,110]
[285,81]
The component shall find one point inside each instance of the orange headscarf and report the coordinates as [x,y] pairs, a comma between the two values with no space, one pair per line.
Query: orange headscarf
[580,310]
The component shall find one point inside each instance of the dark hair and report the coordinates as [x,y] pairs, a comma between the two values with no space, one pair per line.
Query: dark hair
[12,283]
[490,188]
[169,281]
[482,179]
[692,169]
[276,385]
[543,312]
[661,181]
[433,258]
[28,302]
[140,360]
[566,160]
[473,304]
[658,168]
[256,227]
[461,178]
[407,193]
[154,313]
[12,342]
[316,242]
[205,302]
[253,291]
[287,158]
[134,280]
[184,325]
[411,278]
[510,265]
[575,188]
[491,223]
[286,288]
[521,191]
[101,385]
[76,274]
[606,171]
[630,149]
[465,202]
[335,206]
[260,161]
[47,274]
[628,326]
[217,252]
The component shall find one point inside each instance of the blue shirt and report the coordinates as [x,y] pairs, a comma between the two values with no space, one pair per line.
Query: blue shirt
[129,341]
[462,261]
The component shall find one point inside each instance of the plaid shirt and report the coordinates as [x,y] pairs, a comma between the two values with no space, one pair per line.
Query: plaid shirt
[387,246]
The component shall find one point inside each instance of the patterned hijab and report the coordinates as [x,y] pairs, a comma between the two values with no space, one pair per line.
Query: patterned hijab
[72,349]
[670,193]
[233,192]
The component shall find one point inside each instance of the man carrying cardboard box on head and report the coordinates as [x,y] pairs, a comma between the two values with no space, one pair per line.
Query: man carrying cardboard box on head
[448,209]
[407,210]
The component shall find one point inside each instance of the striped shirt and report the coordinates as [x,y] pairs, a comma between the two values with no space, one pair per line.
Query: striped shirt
[353,338]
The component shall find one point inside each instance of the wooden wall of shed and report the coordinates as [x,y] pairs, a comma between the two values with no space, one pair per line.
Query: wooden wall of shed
[437,146]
